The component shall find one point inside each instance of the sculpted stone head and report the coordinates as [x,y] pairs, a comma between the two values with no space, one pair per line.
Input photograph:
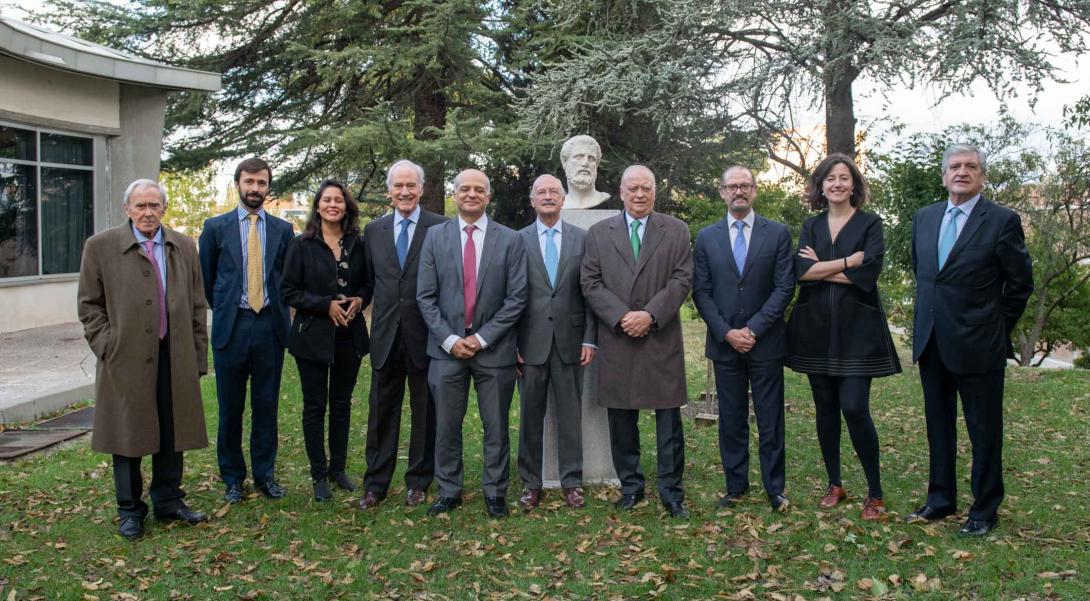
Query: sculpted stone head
[580,156]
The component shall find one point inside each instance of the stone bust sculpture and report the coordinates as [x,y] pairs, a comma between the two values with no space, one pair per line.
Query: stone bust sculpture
[580,156]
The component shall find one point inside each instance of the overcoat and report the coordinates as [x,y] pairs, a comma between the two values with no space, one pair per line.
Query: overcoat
[648,372]
[118,307]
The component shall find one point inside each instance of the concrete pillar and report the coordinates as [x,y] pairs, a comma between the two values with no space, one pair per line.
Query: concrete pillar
[135,153]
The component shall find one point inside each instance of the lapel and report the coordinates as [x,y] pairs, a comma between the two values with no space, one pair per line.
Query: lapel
[651,238]
[976,218]
[419,231]
[387,232]
[234,241]
[490,236]
[272,245]
[454,250]
[756,239]
[536,260]
[618,233]
[721,239]
[567,240]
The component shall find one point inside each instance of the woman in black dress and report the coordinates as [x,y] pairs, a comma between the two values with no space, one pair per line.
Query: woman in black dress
[838,333]
[325,281]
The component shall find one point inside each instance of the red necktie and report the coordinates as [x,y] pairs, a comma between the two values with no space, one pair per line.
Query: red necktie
[149,246]
[469,271]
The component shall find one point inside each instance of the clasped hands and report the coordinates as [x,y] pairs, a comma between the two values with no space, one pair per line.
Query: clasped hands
[466,348]
[742,340]
[340,314]
[636,324]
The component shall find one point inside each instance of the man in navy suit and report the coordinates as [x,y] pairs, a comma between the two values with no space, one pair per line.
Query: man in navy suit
[973,280]
[242,258]
[743,279]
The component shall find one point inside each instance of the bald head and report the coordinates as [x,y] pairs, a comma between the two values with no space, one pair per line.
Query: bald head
[472,192]
[638,191]
[547,198]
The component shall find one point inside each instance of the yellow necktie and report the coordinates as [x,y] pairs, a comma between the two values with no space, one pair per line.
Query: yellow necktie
[255,268]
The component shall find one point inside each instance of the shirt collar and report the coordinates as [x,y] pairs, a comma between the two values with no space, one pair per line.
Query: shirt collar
[748,219]
[141,238]
[542,228]
[965,207]
[628,219]
[482,223]
[243,214]
[413,217]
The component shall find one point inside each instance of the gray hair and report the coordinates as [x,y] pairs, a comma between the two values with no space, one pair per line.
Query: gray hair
[534,185]
[569,145]
[955,149]
[142,183]
[404,163]
[631,168]
[752,177]
[487,182]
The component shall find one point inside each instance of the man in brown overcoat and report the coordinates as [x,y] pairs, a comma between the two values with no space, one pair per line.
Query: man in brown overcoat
[141,302]
[637,271]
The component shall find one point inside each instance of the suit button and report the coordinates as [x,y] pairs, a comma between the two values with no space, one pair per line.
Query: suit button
[147,331]
[740,288]
[550,318]
[147,302]
[149,359]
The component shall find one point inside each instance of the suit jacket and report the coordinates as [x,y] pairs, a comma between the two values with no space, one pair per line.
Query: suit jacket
[225,274]
[555,313]
[310,284]
[648,372]
[118,306]
[501,291]
[972,304]
[756,298]
[394,310]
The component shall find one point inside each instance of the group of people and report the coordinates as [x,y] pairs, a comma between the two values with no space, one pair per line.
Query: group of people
[468,299]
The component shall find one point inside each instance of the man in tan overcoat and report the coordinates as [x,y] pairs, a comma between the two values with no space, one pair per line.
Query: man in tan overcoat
[637,271]
[142,305]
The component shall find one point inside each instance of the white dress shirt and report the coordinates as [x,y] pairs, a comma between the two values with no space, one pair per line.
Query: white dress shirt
[628,219]
[747,231]
[543,239]
[965,208]
[414,218]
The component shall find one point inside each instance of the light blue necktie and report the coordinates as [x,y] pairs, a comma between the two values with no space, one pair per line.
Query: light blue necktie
[402,244]
[552,258]
[740,246]
[949,235]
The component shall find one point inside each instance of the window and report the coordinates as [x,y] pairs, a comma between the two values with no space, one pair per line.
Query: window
[46,201]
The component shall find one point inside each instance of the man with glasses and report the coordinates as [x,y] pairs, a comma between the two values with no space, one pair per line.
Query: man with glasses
[743,280]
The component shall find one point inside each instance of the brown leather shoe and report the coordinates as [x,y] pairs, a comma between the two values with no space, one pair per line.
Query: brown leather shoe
[574,498]
[530,498]
[414,497]
[369,500]
[833,496]
[874,509]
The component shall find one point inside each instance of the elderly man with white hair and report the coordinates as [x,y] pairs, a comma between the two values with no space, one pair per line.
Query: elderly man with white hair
[141,302]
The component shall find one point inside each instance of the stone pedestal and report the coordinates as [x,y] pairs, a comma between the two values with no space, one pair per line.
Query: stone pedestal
[597,459]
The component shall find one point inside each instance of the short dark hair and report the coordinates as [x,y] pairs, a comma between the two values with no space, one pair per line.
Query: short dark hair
[814,194]
[350,224]
[252,165]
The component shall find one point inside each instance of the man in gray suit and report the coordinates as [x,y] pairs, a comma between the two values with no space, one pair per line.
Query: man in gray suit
[471,288]
[556,339]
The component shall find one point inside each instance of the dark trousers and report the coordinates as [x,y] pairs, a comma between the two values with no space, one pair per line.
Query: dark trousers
[565,382]
[733,381]
[624,443]
[851,396]
[384,423]
[449,382]
[166,465]
[329,385]
[982,403]
[252,354]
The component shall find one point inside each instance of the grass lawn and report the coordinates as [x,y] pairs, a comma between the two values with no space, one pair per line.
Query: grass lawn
[58,541]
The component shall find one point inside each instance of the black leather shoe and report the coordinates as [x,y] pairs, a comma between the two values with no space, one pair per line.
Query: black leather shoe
[444,504]
[676,509]
[627,502]
[321,491]
[271,490]
[234,494]
[496,507]
[978,527]
[730,500]
[779,503]
[928,513]
[131,528]
[342,481]
[182,514]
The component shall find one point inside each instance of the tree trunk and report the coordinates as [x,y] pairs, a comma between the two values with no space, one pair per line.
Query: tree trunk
[430,116]
[839,109]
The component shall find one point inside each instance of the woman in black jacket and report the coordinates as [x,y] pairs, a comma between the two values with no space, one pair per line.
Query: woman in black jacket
[325,281]
[837,332]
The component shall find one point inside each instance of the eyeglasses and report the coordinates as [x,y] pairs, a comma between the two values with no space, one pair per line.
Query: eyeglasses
[736,188]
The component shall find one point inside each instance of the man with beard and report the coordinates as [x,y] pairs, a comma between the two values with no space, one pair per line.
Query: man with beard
[580,156]
[242,258]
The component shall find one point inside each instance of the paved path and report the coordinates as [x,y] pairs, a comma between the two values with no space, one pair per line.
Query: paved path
[43,370]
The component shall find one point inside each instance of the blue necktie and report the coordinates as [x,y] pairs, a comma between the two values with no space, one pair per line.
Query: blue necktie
[403,243]
[949,236]
[740,246]
[552,258]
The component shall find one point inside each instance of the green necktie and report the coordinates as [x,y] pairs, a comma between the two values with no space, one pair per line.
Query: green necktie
[635,239]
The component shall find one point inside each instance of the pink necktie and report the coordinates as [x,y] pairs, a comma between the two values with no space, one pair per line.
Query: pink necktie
[149,246]
[469,271]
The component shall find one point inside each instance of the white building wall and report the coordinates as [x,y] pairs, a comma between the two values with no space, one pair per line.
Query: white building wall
[46,93]
[36,305]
